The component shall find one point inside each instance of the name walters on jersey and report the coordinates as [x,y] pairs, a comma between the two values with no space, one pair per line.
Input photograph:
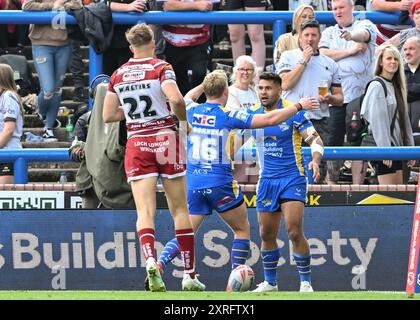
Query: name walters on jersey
[138,85]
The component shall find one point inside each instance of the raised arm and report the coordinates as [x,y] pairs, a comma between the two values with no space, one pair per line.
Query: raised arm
[289,78]
[195,93]
[337,55]
[278,116]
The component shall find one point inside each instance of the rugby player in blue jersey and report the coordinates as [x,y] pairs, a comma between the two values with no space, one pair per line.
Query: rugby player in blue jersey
[282,187]
[210,184]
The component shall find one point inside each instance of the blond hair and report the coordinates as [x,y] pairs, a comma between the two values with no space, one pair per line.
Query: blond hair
[398,81]
[7,82]
[298,12]
[139,35]
[215,83]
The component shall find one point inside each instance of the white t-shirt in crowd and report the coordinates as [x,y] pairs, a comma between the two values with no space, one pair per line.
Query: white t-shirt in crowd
[318,5]
[241,99]
[356,71]
[320,67]
[10,110]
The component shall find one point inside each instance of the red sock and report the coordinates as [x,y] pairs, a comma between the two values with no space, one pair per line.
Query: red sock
[147,242]
[185,239]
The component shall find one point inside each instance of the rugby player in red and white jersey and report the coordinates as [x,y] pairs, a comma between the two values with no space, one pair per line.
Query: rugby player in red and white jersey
[386,31]
[139,91]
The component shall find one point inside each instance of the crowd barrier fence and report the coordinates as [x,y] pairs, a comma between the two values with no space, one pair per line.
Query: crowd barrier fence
[279,21]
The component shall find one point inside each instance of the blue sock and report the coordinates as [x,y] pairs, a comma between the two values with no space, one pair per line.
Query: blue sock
[240,252]
[303,264]
[169,252]
[270,259]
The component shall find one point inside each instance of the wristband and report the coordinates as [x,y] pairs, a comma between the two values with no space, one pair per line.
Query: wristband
[298,106]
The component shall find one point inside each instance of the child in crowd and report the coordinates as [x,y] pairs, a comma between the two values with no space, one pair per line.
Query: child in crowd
[11,119]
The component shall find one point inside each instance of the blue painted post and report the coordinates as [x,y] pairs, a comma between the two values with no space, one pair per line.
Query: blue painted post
[20,171]
[279,28]
[95,67]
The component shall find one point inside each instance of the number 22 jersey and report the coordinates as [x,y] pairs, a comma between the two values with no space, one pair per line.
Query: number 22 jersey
[138,84]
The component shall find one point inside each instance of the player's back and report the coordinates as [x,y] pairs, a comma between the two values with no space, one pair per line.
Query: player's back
[138,86]
[208,164]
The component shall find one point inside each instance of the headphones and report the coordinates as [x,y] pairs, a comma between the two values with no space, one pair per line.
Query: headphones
[100,78]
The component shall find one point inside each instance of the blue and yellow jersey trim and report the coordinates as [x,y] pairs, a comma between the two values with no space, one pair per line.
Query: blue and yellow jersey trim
[224,109]
[286,103]
[235,188]
[297,149]
[255,107]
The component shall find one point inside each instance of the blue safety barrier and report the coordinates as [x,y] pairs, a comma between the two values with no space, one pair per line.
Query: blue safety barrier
[21,157]
[279,20]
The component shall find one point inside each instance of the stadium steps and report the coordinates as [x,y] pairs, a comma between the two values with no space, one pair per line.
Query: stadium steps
[51,174]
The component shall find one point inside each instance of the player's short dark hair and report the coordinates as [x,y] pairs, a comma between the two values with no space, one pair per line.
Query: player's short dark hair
[313,23]
[271,76]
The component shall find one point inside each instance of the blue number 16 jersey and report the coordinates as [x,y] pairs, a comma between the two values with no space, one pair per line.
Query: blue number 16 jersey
[207,162]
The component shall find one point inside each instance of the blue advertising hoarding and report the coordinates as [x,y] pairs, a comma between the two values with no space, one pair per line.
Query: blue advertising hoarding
[353,248]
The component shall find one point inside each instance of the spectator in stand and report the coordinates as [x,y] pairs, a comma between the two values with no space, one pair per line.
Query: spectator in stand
[411,50]
[187,45]
[302,70]
[389,122]
[255,32]
[76,68]
[318,5]
[51,52]
[12,33]
[351,44]
[387,31]
[119,52]
[242,93]
[290,41]
[243,96]
[11,119]
[280,5]
[101,179]
[399,39]
[156,5]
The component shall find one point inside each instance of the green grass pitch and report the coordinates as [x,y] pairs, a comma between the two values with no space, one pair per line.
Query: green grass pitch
[210,295]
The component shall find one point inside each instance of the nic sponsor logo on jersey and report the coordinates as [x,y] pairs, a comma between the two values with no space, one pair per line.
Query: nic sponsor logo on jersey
[134,76]
[204,120]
